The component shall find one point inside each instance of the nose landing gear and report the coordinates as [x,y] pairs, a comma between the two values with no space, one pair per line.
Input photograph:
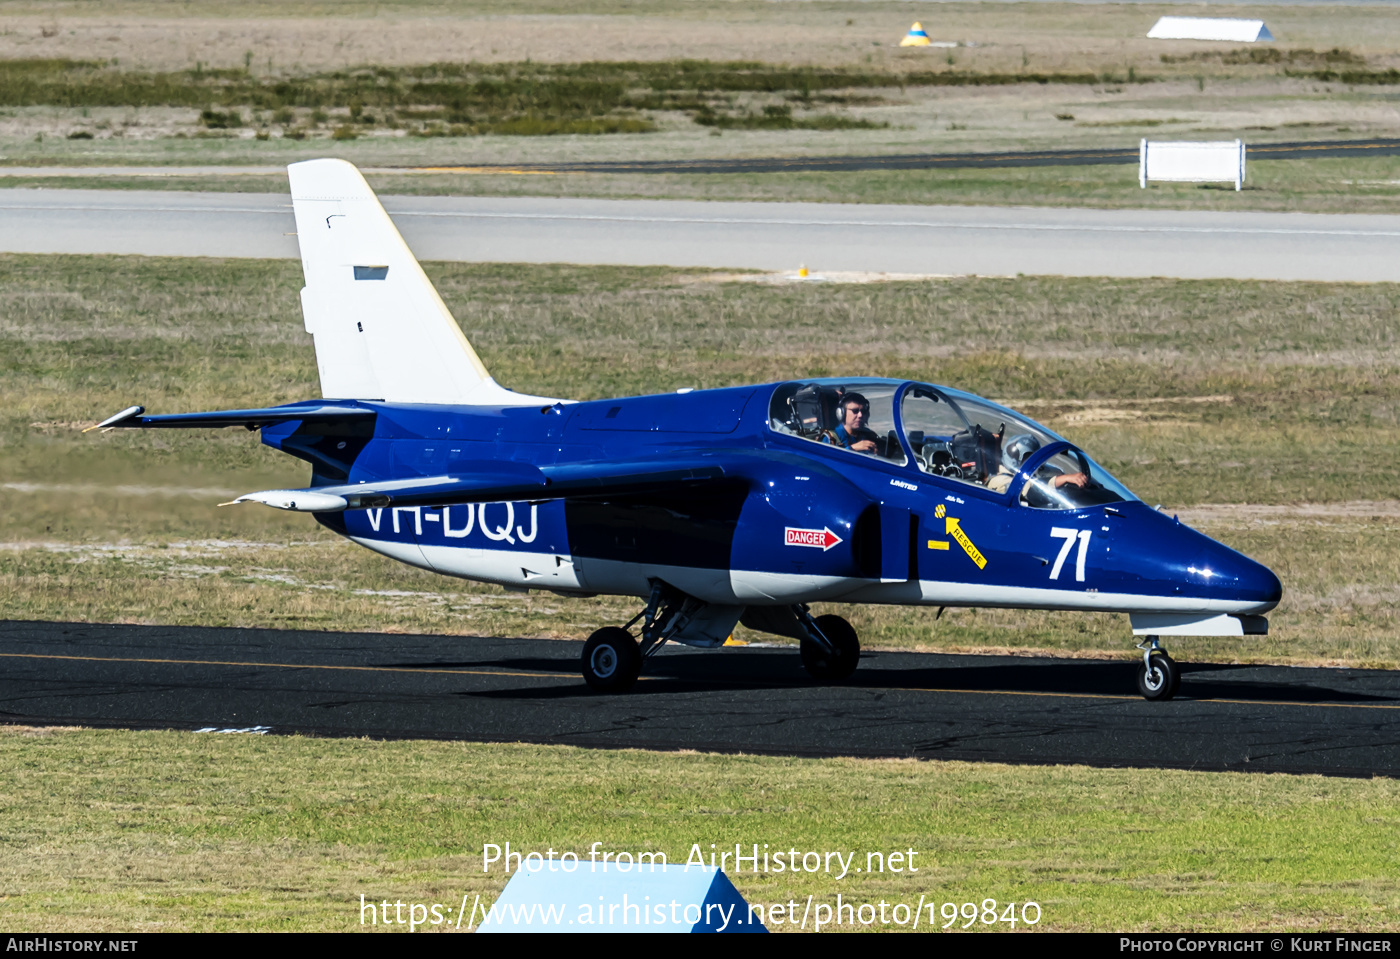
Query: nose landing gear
[1159,677]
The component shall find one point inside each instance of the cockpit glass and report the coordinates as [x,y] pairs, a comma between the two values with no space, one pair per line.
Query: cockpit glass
[1070,480]
[854,415]
[964,438]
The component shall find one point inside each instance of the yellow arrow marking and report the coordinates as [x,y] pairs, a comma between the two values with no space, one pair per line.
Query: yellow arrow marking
[938,544]
[973,553]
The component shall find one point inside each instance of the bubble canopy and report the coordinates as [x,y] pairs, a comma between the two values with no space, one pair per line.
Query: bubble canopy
[946,433]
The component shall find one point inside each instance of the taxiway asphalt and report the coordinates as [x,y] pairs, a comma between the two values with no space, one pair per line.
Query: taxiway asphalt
[841,163]
[995,241]
[1294,150]
[757,699]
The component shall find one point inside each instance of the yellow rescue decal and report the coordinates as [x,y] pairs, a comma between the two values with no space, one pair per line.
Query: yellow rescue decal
[973,553]
[938,544]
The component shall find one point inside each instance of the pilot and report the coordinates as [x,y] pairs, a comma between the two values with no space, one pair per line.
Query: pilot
[852,432]
[1014,453]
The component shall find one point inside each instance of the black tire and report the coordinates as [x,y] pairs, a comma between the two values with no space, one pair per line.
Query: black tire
[611,660]
[1160,682]
[822,665]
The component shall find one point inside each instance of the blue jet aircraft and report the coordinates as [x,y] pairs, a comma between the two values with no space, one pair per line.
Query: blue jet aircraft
[714,507]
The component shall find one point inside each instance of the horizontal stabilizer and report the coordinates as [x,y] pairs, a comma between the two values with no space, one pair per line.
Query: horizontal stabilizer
[493,483]
[133,418]
[301,500]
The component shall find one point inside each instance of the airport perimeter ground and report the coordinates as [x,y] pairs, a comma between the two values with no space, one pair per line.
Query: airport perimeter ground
[151,83]
[1266,413]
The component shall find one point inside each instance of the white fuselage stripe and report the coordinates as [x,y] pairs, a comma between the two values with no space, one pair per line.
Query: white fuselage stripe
[755,587]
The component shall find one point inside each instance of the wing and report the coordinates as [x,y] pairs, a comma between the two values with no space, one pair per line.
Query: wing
[500,482]
[132,417]
[487,482]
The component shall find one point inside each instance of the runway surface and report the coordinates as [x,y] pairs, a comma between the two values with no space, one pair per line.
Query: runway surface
[757,700]
[762,236]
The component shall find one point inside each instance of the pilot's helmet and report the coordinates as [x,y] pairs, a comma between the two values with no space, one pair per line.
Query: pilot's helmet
[1017,448]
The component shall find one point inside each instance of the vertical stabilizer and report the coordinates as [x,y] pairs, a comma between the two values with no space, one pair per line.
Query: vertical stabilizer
[380,329]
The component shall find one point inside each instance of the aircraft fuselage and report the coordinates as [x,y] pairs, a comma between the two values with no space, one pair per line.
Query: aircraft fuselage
[792,521]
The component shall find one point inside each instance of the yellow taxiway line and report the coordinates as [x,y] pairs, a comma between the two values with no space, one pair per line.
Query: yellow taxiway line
[229,662]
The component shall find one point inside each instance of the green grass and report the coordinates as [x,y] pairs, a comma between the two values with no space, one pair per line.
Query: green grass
[109,831]
[1192,392]
[524,87]
[518,99]
[588,88]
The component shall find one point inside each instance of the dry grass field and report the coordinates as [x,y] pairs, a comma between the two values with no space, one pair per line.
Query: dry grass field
[992,37]
[1024,76]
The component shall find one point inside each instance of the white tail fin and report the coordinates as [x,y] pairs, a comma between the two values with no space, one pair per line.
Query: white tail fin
[380,329]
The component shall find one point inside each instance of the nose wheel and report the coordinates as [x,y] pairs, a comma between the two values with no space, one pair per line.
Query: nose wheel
[1158,677]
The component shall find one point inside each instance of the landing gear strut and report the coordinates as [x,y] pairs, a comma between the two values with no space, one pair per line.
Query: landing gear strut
[612,657]
[1159,677]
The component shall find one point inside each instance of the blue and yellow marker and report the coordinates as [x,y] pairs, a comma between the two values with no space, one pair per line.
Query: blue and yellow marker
[915,37]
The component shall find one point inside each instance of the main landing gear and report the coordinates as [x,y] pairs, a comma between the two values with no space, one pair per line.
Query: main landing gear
[830,649]
[612,658]
[1159,677]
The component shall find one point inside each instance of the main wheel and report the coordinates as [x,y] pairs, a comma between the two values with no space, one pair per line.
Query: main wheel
[611,660]
[822,665]
[1159,681]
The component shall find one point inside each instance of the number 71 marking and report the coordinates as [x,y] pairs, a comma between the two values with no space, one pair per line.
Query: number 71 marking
[1069,536]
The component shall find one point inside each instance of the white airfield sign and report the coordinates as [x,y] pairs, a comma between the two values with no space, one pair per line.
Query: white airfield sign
[1209,28]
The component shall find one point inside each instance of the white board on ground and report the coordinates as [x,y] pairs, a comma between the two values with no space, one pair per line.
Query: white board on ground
[1192,162]
[1209,28]
[588,896]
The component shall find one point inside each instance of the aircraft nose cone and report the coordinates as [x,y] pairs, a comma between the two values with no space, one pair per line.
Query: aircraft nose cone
[1192,565]
[1241,578]
[1258,582]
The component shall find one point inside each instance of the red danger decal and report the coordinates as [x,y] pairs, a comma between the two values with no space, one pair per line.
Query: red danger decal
[823,539]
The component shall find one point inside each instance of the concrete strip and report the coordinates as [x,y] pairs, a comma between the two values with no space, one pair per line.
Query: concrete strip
[765,236]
